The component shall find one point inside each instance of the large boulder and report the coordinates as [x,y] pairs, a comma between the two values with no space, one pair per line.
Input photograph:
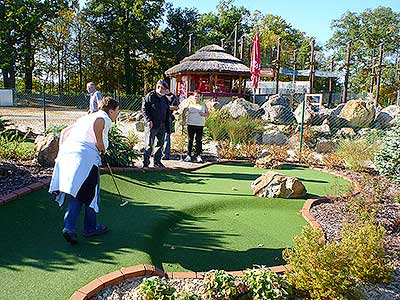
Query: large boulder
[386,116]
[277,110]
[325,146]
[46,148]
[7,169]
[275,185]
[311,115]
[242,108]
[274,137]
[358,113]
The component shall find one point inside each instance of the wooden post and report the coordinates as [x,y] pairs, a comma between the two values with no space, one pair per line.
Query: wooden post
[346,74]
[278,58]
[240,84]
[235,42]
[330,100]
[372,82]
[293,77]
[190,44]
[311,75]
[378,78]
[242,47]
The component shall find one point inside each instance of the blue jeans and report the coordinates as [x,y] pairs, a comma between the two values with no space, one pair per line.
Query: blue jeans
[167,148]
[150,137]
[72,214]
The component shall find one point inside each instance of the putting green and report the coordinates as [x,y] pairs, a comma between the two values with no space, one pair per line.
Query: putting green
[191,220]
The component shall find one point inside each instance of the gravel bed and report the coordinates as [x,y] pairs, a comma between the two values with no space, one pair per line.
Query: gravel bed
[128,289]
[22,174]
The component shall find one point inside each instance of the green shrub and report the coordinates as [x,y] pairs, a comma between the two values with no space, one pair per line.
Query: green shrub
[119,152]
[216,124]
[55,130]
[243,129]
[387,160]
[132,139]
[220,285]
[357,154]
[337,270]
[14,147]
[156,288]
[262,283]
[186,296]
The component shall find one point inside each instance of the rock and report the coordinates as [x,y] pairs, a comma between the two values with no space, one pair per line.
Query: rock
[276,100]
[274,137]
[322,130]
[7,169]
[346,132]
[386,116]
[311,116]
[275,185]
[279,114]
[242,108]
[46,148]
[139,126]
[359,113]
[325,146]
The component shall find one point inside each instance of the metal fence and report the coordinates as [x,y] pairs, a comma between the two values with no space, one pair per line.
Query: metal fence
[235,128]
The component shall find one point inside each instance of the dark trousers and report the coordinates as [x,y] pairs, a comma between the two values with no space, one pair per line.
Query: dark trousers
[150,136]
[192,132]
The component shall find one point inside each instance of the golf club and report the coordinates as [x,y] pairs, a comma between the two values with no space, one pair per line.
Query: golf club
[122,202]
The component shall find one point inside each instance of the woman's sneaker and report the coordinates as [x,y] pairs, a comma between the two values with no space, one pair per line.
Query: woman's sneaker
[199,159]
[188,159]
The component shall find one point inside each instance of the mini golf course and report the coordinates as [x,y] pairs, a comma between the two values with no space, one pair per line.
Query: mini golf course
[176,220]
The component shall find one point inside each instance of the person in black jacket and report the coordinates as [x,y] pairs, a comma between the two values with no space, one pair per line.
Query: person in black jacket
[155,109]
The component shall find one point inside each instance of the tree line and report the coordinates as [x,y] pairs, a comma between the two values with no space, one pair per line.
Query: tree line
[127,45]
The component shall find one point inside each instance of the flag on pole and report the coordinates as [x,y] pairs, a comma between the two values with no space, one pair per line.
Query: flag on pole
[255,65]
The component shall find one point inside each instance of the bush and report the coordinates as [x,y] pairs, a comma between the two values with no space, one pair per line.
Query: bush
[262,283]
[357,154]
[251,150]
[156,288]
[277,155]
[216,124]
[387,160]
[14,147]
[337,270]
[119,152]
[333,161]
[220,285]
[55,130]
[132,139]
[227,150]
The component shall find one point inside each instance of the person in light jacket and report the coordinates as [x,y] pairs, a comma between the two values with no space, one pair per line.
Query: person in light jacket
[76,174]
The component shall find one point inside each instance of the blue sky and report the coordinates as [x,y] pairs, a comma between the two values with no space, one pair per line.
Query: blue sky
[313,17]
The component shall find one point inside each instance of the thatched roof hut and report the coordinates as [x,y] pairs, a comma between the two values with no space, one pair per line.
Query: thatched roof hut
[210,70]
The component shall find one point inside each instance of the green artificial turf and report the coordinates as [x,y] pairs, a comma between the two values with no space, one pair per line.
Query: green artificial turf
[192,220]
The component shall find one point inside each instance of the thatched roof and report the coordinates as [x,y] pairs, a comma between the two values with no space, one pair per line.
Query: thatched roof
[210,59]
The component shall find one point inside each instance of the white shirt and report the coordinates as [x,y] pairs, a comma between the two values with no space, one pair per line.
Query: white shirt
[194,110]
[76,157]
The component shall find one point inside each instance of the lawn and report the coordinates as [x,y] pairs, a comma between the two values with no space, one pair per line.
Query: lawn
[176,220]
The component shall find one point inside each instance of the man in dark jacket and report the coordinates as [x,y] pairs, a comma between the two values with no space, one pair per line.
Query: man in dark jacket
[155,111]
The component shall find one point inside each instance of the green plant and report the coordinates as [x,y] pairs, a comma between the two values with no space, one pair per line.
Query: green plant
[132,139]
[357,154]
[220,285]
[337,270]
[55,130]
[186,296]
[262,283]
[119,152]
[156,288]
[14,147]
[242,129]
[387,160]
[333,161]
[375,136]
[216,124]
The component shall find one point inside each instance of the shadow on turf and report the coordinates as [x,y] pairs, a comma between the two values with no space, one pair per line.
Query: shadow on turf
[31,237]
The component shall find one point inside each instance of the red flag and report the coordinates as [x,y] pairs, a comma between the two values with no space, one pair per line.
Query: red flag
[255,65]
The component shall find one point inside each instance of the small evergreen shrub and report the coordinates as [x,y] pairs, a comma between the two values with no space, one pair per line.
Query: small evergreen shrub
[132,139]
[119,152]
[387,160]
[156,288]
[262,283]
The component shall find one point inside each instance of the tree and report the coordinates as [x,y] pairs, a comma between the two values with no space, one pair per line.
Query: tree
[367,30]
